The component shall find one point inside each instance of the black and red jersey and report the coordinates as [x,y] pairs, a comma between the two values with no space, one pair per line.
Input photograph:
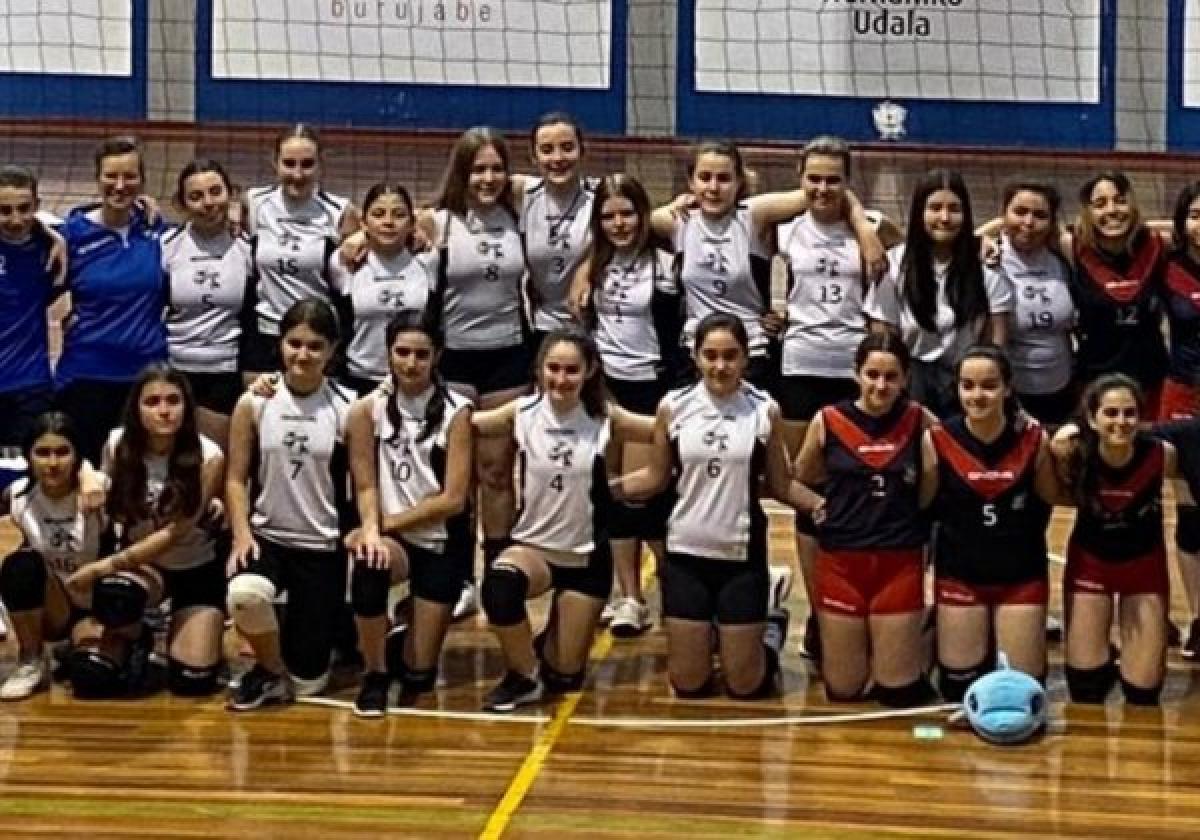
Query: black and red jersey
[992,523]
[1119,297]
[874,469]
[1123,518]
[1183,311]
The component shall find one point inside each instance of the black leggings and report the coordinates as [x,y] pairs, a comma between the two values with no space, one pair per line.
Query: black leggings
[315,582]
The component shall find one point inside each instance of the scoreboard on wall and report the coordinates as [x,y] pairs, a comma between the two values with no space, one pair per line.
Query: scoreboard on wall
[985,72]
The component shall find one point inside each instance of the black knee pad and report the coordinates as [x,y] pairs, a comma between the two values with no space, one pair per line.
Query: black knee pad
[954,682]
[493,547]
[505,589]
[767,686]
[118,601]
[556,682]
[805,524]
[858,696]
[707,689]
[420,680]
[96,675]
[191,680]
[1090,685]
[23,580]
[369,590]
[1187,528]
[1138,696]
[916,693]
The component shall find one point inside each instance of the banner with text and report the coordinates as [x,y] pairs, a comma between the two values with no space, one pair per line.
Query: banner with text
[991,50]
[1191,54]
[506,43]
[82,58]
[77,37]
[917,56]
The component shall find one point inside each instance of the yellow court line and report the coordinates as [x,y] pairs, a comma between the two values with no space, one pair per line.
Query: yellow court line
[531,767]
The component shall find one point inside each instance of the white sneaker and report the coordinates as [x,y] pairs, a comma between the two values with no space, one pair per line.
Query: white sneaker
[468,603]
[779,587]
[610,610]
[29,676]
[630,618]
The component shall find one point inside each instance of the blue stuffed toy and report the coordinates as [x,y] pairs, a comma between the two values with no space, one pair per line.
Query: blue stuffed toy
[1006,706]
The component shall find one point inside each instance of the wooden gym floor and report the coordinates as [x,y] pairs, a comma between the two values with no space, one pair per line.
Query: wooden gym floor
[622,759]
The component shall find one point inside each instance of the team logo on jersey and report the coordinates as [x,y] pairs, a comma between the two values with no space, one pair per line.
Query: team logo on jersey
[391,297]
[714,259]
[714,439]
[889,120]
[561,454]
[207,277]
[287,239]
[296,442]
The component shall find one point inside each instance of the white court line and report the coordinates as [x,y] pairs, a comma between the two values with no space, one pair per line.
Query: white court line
[483,717]
[656,723]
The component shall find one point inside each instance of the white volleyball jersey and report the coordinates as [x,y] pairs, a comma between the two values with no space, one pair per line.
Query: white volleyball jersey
[379,290]
[410,467]
[481,301]
[716,275]
[293,243]
[625,332]
[720,449]
[57,528]
[301,466]
[195,548]
[561,478]
[207,280]
[557,235]
[1039,328]
[825,321]
[885,302]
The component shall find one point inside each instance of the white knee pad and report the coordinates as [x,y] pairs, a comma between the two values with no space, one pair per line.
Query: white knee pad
[251,601]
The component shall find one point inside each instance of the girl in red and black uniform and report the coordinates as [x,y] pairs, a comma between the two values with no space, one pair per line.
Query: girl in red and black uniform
[1116,549]
[992,483]
[1119,264]
[866,453]
[1181,391]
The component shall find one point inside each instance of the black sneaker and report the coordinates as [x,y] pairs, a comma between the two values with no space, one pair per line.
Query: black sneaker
[1174,635]
[259,687]
[1191,647]
[810,645]
[372,701]
[393,651]
[514,690]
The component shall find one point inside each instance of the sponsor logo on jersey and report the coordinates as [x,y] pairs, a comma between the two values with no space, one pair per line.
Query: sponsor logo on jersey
[881,446]
[991,475]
